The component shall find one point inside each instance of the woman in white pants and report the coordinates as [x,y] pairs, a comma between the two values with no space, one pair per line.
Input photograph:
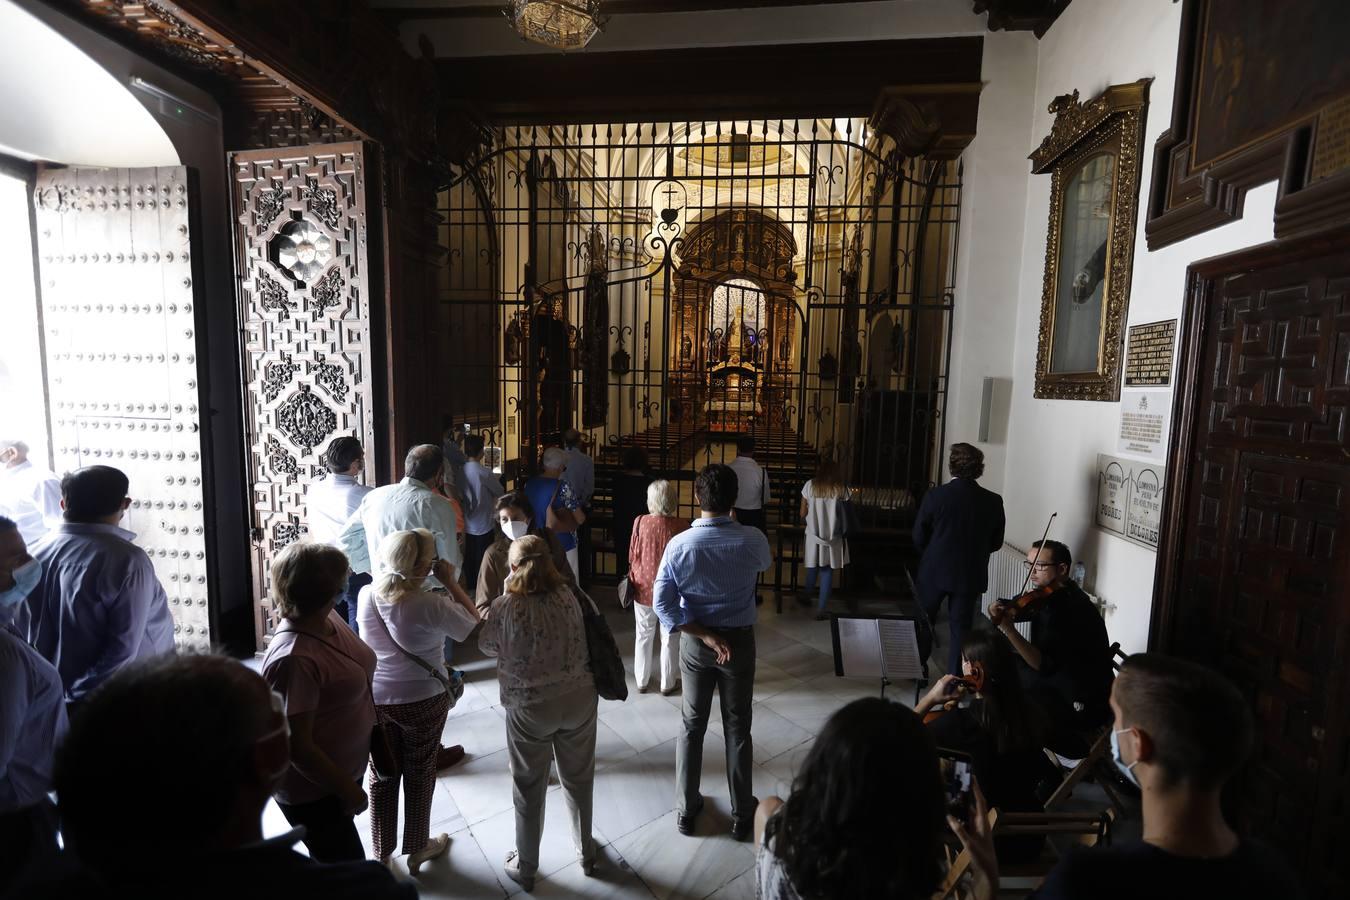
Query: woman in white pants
[651,533]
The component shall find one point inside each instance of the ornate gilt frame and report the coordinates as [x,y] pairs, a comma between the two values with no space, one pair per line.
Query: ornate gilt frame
[1113,121]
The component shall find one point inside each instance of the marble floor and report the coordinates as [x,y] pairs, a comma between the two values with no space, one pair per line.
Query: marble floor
[642,855]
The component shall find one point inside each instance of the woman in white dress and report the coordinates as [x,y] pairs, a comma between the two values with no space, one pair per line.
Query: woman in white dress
[826,549]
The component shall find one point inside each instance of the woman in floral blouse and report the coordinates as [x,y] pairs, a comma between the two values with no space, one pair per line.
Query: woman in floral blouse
[537,634]
[651,533]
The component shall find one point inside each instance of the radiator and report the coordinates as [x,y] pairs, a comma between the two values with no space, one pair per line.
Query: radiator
[1006,574]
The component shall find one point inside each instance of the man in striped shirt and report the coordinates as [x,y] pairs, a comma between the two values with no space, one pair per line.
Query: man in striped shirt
[705,589]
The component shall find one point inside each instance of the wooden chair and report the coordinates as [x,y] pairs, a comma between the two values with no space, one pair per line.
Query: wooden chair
[957,866]
[1078,829]
[1098,760]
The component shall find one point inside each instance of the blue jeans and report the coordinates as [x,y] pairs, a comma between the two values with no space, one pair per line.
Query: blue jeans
[355,582]
[826,576]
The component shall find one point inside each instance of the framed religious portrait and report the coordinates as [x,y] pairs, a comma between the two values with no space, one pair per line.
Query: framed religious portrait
[1092,154]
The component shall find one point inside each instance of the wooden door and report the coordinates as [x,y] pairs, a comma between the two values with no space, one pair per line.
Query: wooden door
[120,341]
[304,305]
[1254,566]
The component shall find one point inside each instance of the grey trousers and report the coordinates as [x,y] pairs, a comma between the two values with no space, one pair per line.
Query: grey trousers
[735,686]
[563,728]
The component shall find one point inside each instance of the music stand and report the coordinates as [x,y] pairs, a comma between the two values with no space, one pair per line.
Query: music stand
[883,646]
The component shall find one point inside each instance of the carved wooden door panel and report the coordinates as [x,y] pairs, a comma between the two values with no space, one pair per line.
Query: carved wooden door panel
[301,256]
[1261,582]
[116,261]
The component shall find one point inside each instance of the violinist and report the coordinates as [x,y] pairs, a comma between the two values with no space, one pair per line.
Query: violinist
[1066,665]
[990,718]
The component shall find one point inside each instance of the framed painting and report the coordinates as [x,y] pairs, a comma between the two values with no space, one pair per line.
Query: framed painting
[1092,154]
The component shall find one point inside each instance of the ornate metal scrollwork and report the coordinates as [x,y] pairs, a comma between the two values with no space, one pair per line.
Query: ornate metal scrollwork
[305,420]
[272,295]
[277,375]
[328,292]
[331,378]
[271,202]
[620,363]
[280,460]
[323,202]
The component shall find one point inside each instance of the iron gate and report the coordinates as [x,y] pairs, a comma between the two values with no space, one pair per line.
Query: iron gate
[672,286]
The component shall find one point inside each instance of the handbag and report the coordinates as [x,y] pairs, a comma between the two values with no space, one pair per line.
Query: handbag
[384,762]
[846,521]
[433,671]
[625,593]
[606,663]
[559,520]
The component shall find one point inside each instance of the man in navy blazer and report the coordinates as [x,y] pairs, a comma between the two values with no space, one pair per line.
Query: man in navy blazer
[959,525]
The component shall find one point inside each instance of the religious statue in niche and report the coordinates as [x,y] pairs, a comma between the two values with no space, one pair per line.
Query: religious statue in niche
[515,339]
[551,358]
[1092,153]
[595,331]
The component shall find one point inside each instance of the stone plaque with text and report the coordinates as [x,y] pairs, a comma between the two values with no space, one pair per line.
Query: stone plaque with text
[1129,498]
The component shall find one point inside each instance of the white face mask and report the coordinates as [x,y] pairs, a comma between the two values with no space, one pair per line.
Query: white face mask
[515,530]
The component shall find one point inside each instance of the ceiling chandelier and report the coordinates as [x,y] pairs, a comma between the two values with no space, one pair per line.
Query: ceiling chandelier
[559,24]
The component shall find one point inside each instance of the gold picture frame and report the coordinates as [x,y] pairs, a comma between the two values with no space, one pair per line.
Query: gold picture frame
[1093,153]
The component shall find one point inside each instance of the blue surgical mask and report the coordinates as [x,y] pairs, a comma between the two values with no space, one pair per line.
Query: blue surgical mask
[1127,771]
[26,577]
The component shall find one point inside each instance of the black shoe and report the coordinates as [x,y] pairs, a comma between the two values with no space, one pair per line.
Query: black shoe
[742,827]
[684,822]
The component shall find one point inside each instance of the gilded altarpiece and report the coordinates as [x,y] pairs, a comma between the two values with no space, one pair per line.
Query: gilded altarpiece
[301,254]
[731,377]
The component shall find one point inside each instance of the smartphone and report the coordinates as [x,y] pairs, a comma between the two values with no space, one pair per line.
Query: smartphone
[957,777]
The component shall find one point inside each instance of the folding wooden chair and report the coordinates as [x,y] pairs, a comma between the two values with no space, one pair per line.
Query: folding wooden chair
[953,886]
[1097,762]
[1079,829]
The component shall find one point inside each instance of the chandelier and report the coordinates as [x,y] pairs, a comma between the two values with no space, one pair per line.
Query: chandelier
[560,24]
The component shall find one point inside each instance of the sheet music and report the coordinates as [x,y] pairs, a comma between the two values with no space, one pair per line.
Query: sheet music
[900,649]
[859,647]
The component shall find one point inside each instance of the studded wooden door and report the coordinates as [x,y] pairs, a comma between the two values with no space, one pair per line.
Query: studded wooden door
[116,261]
[1255,567]
[301,254]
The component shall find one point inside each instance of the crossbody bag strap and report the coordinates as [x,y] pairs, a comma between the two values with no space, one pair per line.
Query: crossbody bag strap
[370,682]
[431,670]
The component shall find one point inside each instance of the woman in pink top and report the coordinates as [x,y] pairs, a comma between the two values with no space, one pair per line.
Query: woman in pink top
[323,671]
[651,533]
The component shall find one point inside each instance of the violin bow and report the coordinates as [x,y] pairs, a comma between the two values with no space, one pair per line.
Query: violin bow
[1037,558]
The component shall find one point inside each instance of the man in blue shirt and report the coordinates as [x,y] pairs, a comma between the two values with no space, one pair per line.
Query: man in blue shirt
[99,605]
[705,589]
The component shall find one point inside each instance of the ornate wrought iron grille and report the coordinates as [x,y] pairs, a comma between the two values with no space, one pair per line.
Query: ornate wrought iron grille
[672,286]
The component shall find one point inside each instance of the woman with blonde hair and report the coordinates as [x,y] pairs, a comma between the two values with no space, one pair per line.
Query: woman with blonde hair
[826,549]
[407,625]
[651,533]
[537,634]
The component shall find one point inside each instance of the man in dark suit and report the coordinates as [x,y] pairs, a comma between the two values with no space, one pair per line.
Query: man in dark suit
[959,525]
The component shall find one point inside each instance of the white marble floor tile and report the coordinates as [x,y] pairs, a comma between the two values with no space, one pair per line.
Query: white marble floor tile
[614,879]
[742,887]
[609,747]
[806,707]
[497,837]
[773,735]
[672,865]
[643,720]
[783,769]
[463,873]
[800,661]
[477,697]
[770,680]
[632,793]
[480,787]
[481,732]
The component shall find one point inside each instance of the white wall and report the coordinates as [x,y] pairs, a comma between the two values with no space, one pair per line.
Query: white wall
[1050,456]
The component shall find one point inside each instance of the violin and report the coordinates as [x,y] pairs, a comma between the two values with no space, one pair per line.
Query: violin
[1029,602]
[967,686]
[1026,605]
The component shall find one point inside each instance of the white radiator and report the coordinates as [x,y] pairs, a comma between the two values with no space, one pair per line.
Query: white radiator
[1006,574]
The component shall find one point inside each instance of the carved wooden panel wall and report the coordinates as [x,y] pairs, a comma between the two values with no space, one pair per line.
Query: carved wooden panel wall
[1261,587]
[301,254]
[115,255]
